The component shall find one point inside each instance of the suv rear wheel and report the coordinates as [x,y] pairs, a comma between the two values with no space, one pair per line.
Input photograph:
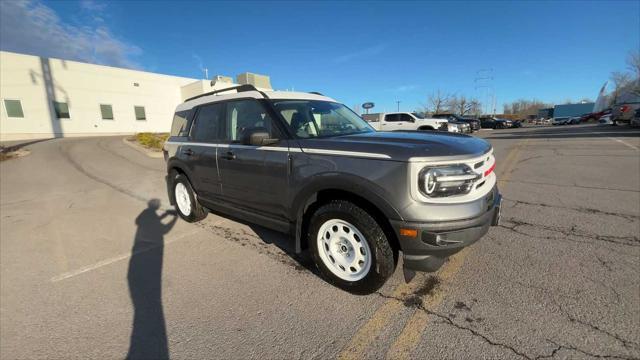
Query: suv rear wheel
[349,247]
[186,201]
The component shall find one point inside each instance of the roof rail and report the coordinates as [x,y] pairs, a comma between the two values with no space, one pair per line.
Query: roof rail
[239,88]
[315,92]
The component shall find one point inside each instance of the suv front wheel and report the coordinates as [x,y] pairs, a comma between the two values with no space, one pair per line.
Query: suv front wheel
[349,247]
[186,201]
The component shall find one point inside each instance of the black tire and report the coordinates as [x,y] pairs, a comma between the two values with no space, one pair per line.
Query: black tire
[426,128]
[382,255]
[197,212]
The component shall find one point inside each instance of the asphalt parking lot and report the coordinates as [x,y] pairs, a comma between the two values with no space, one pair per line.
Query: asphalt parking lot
[89,270]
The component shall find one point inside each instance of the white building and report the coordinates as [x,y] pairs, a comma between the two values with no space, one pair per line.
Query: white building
[47,97]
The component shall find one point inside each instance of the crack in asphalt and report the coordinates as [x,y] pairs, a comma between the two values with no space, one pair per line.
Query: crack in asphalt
[627,344]
[633,241]
[583,210]
[103,146]
[418,305]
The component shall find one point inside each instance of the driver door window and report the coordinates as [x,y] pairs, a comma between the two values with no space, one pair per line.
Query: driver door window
[245,115]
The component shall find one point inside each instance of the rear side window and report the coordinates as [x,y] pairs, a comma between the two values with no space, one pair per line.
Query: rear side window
[207,126]
[392,117]
[180,126]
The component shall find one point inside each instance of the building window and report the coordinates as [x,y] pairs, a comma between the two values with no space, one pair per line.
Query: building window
[14,108]
[106,111]
[61,109]
[140,114]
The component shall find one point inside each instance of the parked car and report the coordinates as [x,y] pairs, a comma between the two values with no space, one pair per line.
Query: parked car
[517,124]
[574,120]
[605,120]
[622,113]
[495,123]
[594,116]
[403,121]
[560,121]
[473,123]
[635,120]
[308,166]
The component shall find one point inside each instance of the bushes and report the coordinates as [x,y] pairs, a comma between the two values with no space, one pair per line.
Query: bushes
[151,141]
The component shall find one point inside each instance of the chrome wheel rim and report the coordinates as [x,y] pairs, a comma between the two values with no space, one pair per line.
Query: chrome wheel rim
[182,199]
[344,250]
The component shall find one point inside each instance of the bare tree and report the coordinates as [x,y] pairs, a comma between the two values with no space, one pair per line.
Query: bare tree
[459,104]
[633,62]
[620,80]
[524,108]
[438,101]
[475,107]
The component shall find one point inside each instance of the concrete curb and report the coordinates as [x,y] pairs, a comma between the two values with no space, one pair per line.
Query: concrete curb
[144,150]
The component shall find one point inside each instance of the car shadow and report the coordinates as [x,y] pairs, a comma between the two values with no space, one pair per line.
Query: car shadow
[284,242]
[149,334]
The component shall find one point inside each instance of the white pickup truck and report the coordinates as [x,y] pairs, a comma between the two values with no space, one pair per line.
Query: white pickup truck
[404,121]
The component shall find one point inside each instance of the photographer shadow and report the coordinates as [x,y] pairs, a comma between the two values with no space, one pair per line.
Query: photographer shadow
[149,334]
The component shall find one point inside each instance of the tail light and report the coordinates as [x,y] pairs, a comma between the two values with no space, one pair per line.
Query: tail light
[624,108]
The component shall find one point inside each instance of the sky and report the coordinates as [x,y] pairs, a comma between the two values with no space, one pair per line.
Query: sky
[355,52]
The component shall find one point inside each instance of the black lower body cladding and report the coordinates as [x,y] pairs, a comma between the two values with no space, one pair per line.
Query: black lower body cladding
[435,241]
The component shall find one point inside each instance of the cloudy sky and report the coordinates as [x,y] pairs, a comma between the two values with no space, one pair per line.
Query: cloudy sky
[354,51]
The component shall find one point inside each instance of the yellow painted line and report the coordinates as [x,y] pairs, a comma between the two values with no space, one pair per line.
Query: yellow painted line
[372,328]
[410,336]
[406,343]
[511,162]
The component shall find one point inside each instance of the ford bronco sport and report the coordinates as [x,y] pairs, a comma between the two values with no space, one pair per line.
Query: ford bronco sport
[306,165]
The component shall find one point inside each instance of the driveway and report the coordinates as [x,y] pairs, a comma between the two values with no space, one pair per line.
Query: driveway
[94,264]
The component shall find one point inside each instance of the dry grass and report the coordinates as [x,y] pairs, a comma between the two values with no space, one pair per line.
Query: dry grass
[151,140]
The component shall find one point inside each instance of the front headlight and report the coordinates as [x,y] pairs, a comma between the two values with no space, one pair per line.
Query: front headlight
[447,180]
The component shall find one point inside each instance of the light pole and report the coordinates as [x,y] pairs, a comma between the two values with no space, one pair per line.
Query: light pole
[398,102]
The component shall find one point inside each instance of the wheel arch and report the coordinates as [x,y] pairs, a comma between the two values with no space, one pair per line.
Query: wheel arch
[367,199]
[180,169]
[426,127]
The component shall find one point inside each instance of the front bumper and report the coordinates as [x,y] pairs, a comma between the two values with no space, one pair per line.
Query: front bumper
[438,240]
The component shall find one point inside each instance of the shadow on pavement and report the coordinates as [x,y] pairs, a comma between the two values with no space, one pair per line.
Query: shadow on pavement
[149,335]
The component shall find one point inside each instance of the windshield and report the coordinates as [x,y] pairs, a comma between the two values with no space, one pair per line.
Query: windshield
[313,118]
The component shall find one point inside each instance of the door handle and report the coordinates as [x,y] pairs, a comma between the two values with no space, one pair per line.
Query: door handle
[187,152]
[229,155]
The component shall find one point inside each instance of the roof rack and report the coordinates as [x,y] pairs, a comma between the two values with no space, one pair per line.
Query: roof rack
[240,88]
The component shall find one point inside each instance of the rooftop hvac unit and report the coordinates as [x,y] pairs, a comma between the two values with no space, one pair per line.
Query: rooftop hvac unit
[257,80]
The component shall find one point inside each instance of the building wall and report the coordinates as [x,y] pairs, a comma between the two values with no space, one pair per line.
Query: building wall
[37,81]
[567,110]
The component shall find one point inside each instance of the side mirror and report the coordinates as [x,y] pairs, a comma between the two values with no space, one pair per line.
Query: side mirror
[257,137]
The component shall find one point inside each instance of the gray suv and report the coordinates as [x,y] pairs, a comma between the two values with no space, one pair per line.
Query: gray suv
[308,166]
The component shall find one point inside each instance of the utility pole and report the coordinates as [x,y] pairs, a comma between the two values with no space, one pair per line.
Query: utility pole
[398,102]
[484,79]
[206,73]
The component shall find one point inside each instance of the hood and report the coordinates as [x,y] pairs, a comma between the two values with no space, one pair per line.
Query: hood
[399,146]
